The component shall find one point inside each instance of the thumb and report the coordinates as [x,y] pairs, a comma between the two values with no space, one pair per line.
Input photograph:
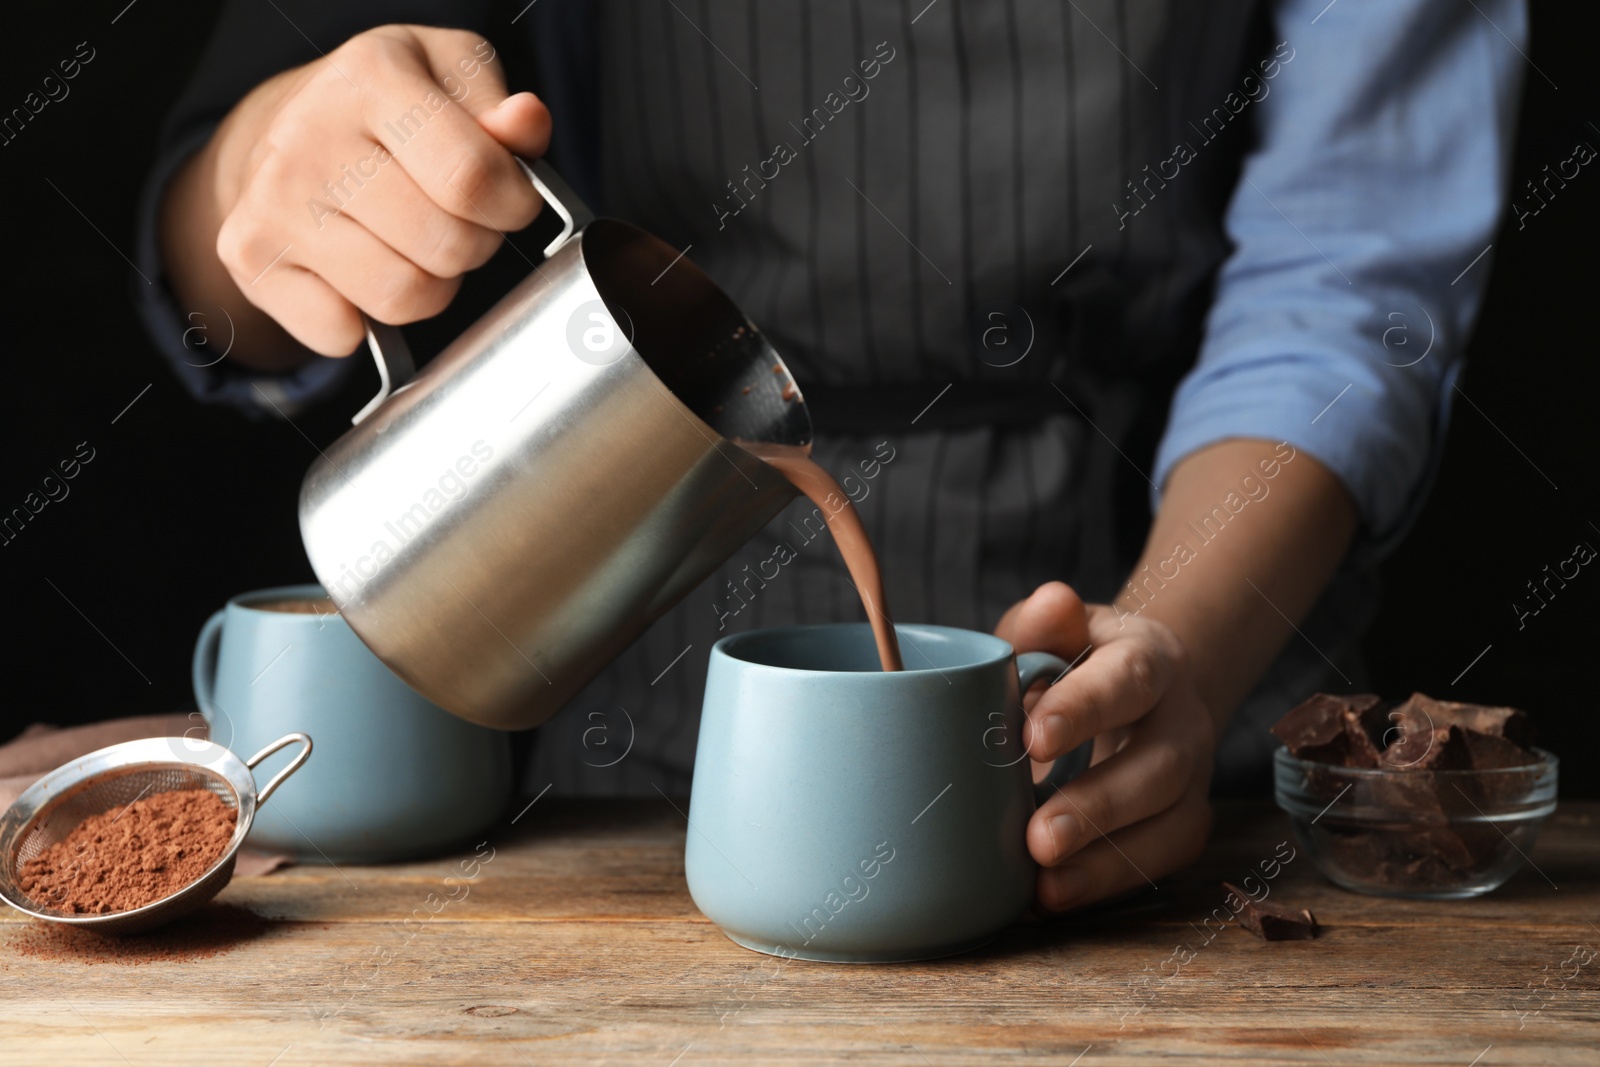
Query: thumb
[470,73]
[521,122]
[1052,620]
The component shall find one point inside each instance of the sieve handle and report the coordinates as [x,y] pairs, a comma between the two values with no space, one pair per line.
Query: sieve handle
[294,765]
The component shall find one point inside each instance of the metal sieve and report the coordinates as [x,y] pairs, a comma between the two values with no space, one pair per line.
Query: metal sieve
[115,777]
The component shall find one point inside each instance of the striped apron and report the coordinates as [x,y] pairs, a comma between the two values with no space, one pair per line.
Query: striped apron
[959,223]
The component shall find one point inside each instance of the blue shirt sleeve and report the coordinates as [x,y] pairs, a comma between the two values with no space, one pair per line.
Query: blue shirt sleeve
[1361,226]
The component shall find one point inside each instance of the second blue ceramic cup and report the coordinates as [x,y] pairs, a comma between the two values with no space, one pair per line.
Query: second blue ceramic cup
[393,776]
[848,814]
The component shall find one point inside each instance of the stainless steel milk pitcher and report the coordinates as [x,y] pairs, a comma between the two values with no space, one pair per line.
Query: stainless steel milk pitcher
[502,525]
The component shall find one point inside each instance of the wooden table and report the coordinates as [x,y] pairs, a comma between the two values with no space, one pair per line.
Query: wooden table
[577,943]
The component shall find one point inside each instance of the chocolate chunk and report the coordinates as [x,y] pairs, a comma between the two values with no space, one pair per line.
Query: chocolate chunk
[1429,735]
[1409,796]
[1410,736]
[1361,703]
[1423,860]
[1315,730]
[1273,922]
[1372,714]
[1510,723]
[1487,752]
[1417,847]
[1422,874]
[1418,746]
[1436,845]
[1360,748]
[1355,850]
[1422,827]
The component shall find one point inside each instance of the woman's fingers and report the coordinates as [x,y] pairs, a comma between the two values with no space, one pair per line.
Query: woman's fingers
[405,219]
[1146,778]
[1131,858]
[315,285]
[375,181]
[1054,619]
[308,308]
[373,276]
[1114,685]
[521,122]
[444,149]
[1140,810]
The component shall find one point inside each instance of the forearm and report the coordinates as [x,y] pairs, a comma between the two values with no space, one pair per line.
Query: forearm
[1248,534]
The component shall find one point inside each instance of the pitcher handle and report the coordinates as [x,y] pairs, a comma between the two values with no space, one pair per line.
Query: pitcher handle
[574,213]
[388,345]
[1032,666]
[393,357]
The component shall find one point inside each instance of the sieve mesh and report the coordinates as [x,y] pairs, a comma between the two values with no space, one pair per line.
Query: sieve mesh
[106,791]
[115,777]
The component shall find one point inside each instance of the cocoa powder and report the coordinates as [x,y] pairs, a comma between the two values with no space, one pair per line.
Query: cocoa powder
[131,856]
[211,931]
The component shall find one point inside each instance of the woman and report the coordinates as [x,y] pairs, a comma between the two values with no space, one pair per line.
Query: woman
[1042,268]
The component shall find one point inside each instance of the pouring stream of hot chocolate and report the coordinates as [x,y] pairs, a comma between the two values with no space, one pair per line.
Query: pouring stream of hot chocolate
[794,462]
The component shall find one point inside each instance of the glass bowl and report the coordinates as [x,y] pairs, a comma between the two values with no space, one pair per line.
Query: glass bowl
[1429,835]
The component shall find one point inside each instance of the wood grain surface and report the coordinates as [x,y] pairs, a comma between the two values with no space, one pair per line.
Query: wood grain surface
[577,943]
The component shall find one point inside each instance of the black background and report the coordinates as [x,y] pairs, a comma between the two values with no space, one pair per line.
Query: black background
[184,505]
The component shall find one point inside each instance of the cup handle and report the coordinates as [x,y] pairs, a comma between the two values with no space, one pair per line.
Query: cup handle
[294,764]
[204,669]
[1032,666]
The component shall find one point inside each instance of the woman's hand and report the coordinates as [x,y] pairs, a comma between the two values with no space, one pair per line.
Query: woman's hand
[1141,810]
[369,180]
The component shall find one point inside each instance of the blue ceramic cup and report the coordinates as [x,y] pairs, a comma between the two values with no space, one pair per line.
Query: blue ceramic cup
[394,776]
[846,814]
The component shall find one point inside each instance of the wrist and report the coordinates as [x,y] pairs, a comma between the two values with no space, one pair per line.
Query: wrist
[199,196]
[1236,557]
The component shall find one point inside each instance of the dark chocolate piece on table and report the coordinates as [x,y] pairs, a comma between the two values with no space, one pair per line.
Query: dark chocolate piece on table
[1273,922]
